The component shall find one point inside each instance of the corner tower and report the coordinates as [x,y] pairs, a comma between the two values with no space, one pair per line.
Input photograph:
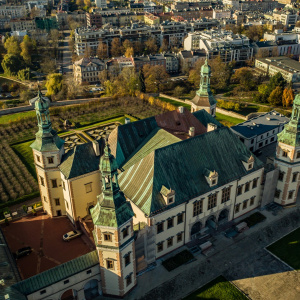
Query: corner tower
[204,98]
[113,232]
[48,150]
[287,158]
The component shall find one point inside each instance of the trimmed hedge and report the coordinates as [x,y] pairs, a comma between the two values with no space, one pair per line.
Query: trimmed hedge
[179,259]
[20,200]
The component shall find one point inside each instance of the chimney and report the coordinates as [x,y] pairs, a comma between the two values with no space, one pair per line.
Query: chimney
[96,148]
[211,127]
[127,120]
[181,109]
[192,131]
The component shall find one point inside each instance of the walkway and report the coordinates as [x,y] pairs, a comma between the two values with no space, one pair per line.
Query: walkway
[242,260]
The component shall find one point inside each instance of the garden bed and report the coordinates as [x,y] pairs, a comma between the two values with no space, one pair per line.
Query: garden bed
[179,259]
[254,219]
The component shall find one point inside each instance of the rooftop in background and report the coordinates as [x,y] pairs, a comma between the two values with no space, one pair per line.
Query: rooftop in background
[260,124]
[282,62]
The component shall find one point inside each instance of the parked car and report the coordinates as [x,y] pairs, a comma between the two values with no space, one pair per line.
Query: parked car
[22,252]
[71,235]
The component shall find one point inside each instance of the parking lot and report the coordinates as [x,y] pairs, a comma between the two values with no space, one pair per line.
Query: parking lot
[44,236]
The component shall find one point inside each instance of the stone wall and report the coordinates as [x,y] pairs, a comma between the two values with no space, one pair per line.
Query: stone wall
[230,113]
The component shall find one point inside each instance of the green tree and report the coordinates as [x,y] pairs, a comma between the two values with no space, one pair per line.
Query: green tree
[27,48]
[53,84]
[275,97]
[24,74]
[194,74]
[12,46]
[245,77]
[11,64]
[151,46]
[264,92]
[277,80]
[221,73]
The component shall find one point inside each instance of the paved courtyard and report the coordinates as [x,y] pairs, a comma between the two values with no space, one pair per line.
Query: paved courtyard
[242,260]
[44,235]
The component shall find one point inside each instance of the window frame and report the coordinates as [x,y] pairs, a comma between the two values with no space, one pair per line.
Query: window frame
[125,232]
[105,237]
[127,259]
[42,180]
[86,185]
[159,228]
[226,194]
[179,221]
[237,208]
[169,242]
[179,237]
[55,199]
[110,264]
[247,187]
[160,247]
[212,201]
[197,208]
[170,222]
[54,183]
[50,160]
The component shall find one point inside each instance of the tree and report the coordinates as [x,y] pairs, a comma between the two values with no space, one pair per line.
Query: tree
[138,47]
[164,47]
[54,38]
[48,65]
[127,44]
[12,46]
[222,73]
[277,81]
[103,76]
[151,46]
[155,76]
[11,64]
[275,97]
[24,74]
[287,97]
[245,77]
[264,93]
[255,32]
[102,50]
[116,47]
[53,84]
[194,74]
[27,49]
[26,95]
[129,52]
[141,82]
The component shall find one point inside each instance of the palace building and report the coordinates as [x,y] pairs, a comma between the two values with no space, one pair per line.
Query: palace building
[179,174]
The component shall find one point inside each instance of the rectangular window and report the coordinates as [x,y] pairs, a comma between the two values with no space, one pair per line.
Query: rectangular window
[225,194]
[260,144]
[43,292]
[50,160]
[239,190]
[160,247]
[89,272]
[38,160]
[160,227]
[294,177]
[237,208]
[128,280]
[252,201]
[125,233]
[127,260]
[284,153]
[245,203]
[45,199]
[180,218]
[179,237]
[54,183]
[197,210]
[252,141]
[88,187]
[170,223]
[272,139]
[247,187]
[298,154]
[277,194]
[170,242]
[212,201]
[42,181]
[291,195]
[280,176]
[110,264]
[66,281]
[107,237]
[254,184]
[57,202]
[170,200]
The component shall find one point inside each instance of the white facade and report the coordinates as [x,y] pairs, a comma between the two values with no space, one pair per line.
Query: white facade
[101,3]
[13,11]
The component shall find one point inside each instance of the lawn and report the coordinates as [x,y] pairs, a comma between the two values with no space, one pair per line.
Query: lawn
[288,249]
[179,259]
[227,120]
[218,289]
[175,103]
[15,117]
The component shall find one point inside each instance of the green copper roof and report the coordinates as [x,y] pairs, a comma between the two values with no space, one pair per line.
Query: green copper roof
[181,166]
[290,135]
[56,274]
[47,141]
[157,139]
[79,161]
[204,117]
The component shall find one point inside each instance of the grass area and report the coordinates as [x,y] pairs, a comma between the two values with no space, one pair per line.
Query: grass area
[227,120]
[175,103]
[24,151]
[288,249]
[254,219]
[15,117]
[179,259]
[217,289]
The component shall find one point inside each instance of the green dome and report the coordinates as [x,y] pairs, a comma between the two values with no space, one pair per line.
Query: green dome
[41,103]
[205,68]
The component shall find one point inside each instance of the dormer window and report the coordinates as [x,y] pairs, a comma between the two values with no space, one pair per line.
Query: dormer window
[249,163]
[168,195]
[212,177]
[284,153]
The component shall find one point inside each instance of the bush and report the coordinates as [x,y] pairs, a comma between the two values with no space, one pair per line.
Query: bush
[179,259]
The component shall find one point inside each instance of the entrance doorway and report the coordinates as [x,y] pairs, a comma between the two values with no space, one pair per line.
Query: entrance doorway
[91,289]
[223,216]
[69,295]
[58,213]
[195,231]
